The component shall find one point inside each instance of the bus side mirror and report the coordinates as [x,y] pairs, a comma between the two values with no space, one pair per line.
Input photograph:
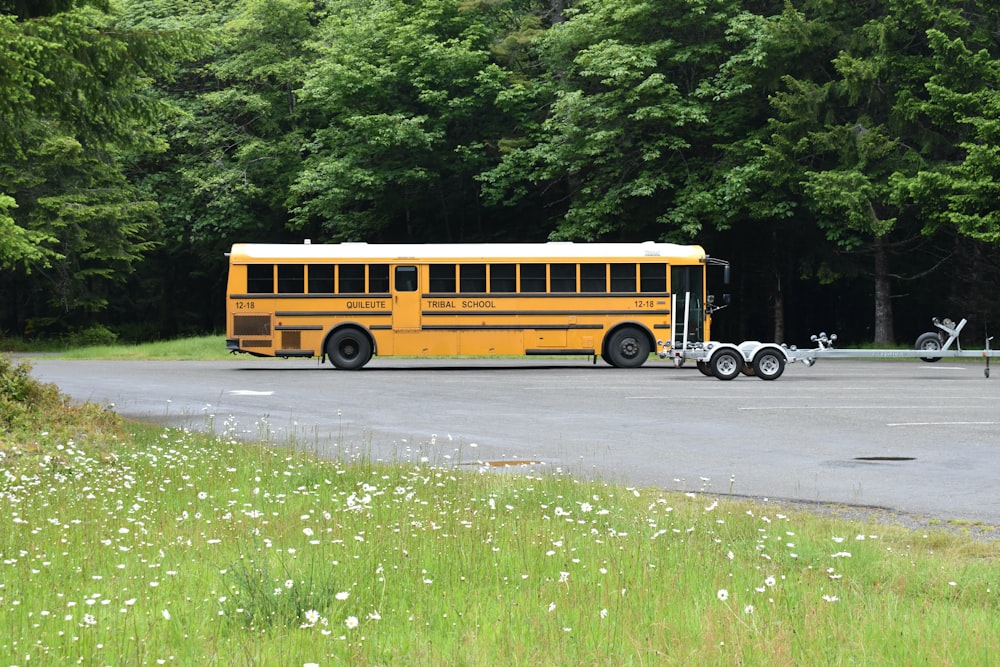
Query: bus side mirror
[725,276]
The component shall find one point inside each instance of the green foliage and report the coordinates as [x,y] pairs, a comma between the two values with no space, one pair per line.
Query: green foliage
[404,98]
[963,106]
[641,97]
[31,410]
[20,246]
[17,387]
[78,108]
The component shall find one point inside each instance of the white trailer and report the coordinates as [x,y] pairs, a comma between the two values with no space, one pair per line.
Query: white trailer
[767,361]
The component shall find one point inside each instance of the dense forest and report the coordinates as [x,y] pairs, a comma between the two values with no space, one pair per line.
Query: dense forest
[844,156]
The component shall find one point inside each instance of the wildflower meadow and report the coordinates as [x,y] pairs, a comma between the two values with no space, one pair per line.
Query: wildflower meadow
[130,544]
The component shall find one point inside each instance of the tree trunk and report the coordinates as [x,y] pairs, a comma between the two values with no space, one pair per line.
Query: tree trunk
[779,314]
[778,292]
[883,296]
[556,8]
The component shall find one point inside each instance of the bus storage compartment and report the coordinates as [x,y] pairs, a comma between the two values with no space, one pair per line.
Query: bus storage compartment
[544,338]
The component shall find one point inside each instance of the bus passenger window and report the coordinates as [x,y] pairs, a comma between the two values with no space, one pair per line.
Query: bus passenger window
[291,279]
[593,278]
[503,278]
[406,279]
[652,278]
[623,278]
[352,279]
[472,277]
[320,278]
[532,277]
[378,279]
[260,279]
[442,279]
[563,277]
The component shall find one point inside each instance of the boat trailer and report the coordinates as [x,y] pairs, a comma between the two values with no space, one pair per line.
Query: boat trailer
[767,361]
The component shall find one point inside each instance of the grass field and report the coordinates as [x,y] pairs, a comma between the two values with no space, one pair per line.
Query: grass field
[130,544]
[198,348]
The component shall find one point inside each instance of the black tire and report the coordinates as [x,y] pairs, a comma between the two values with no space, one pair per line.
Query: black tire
[705,369]
[726,364]
[929,341]
[349,349]
[769,364]
[748,370]
[627,348]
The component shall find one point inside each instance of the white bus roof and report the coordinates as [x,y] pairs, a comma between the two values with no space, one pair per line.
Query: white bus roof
[281,252]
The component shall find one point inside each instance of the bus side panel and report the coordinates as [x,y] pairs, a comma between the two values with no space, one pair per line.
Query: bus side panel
[420,343]
[384,342]
[491,341]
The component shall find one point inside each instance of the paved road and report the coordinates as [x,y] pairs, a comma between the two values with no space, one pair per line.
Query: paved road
[906,435]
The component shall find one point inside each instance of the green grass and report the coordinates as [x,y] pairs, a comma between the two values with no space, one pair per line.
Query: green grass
[132,544]
[198,348]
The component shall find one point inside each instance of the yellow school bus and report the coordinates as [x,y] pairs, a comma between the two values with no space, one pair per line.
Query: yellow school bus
[350,301]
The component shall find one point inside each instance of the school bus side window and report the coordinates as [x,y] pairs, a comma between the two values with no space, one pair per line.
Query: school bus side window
[320,278]
[472,278]
[442,279]
[260,279]
[291,278]
[352,279]
[503,278]
[593,278]
[653,278]
[532,278]
[378,279]
[622,278]
[563,277]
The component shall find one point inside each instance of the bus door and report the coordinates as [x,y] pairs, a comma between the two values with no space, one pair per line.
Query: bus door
[405,298]
[686,282]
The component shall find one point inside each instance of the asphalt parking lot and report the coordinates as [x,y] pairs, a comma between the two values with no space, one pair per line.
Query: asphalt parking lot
[903,434]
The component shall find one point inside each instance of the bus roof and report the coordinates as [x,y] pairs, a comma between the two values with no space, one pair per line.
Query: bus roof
[280,252]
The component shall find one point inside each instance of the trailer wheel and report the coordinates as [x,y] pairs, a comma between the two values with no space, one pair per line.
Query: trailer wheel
[929,341]
[704,368]
[769,364]
[748,370]
[726,364]
[349,349]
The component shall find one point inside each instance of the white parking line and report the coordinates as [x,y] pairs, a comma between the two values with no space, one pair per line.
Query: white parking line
[835,407]
[250,392]
[943,424]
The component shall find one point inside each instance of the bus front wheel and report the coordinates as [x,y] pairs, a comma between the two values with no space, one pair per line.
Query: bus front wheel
[349,349]
[627,348]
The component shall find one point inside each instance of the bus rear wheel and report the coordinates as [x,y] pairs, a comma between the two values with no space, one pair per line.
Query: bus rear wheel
[349,349]
[627,348]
